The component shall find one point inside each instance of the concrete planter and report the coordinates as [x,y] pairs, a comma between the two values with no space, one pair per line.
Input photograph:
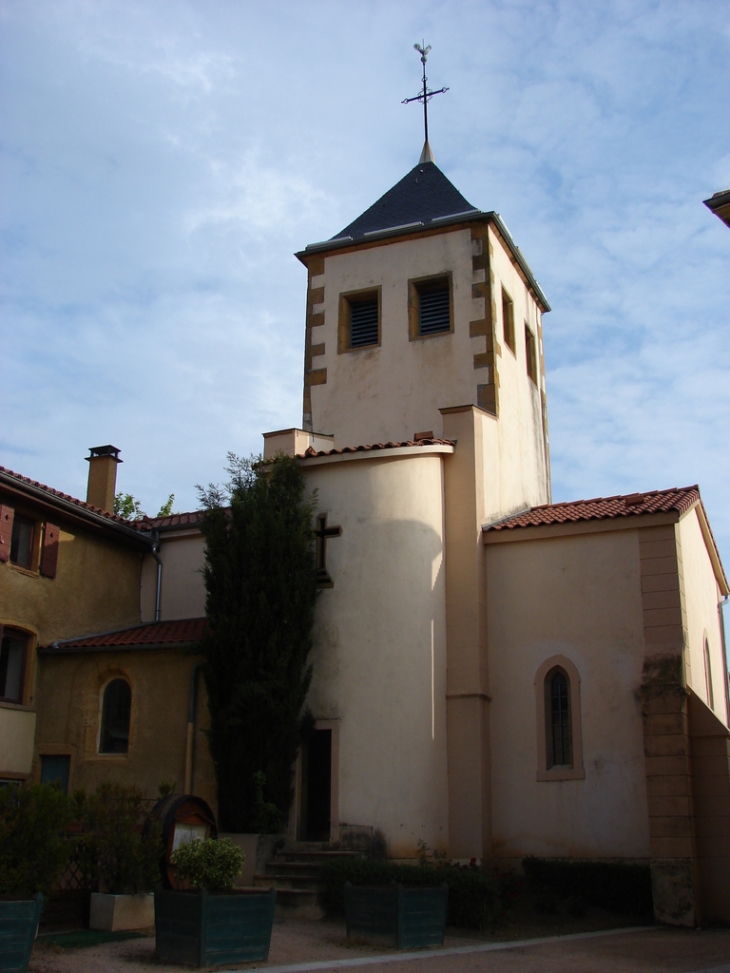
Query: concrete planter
[258,849]
[405,918]
[115,913]
[18,927]
[213,928]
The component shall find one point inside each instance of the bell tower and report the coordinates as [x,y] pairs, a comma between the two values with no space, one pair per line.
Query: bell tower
[422,305]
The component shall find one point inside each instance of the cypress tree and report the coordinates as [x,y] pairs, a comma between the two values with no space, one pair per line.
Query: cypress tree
[260,580]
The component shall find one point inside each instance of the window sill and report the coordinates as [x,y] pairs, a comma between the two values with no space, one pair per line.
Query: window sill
[433,334]
[9,704]
[562,773]
[351,348]
[28,572]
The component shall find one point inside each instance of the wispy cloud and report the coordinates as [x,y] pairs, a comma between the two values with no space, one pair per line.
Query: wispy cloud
[162,161]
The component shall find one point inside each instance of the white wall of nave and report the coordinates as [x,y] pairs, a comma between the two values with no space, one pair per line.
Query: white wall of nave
[379,657]
[701,599]
[579,597]
[183,590]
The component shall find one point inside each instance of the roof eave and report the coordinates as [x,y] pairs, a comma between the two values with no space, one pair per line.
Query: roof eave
[73,512]
[138,647]
[392,234]
[711,546]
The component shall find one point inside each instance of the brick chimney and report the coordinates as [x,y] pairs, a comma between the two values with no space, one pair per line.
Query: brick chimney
[102,486]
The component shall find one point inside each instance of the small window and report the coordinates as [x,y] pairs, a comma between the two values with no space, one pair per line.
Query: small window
[21,545]
[530,354]
[115,713]
[559,735]
[12,665]
[359,325]
[508,320]
[708,677]
[55,768]
[429,307]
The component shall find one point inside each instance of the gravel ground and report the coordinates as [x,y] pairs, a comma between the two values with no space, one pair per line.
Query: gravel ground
[657,950]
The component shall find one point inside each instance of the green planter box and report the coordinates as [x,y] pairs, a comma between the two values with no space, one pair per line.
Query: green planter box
[212,928]
[18,926]
[408,918]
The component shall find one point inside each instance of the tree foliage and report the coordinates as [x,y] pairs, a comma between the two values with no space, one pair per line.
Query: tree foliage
[115,850]
[33,847]
[128,506]
[260,580]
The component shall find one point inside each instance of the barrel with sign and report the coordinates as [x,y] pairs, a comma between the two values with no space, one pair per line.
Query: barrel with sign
[183,817]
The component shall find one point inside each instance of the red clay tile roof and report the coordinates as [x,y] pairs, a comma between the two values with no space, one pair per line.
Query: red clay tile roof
[373,446]
[191,518]
[680,499]
[179,632]
[26,481]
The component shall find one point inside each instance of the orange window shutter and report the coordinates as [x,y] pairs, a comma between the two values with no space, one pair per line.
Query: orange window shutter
[49,554]
[7,515]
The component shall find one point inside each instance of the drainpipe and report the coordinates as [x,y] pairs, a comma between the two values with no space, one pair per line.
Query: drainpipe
[156,556]
[189,742]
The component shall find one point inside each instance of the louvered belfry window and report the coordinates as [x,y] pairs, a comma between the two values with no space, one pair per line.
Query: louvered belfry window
[434,306]
[363,322]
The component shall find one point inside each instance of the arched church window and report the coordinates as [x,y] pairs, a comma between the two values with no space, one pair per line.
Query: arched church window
[559,740]
[708,677]
[557,709]
[115,713]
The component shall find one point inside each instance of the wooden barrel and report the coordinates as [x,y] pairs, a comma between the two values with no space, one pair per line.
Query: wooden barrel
[183,817]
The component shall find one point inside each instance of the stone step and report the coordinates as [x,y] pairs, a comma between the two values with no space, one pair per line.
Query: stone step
[310,869]
[306,855]
[286,881]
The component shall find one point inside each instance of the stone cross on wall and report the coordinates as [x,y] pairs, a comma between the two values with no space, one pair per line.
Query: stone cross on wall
[322,533]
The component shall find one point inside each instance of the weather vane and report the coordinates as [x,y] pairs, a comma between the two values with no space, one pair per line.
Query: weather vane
[426,95]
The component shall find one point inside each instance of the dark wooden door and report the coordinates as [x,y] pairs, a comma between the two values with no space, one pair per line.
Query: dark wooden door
[317,786]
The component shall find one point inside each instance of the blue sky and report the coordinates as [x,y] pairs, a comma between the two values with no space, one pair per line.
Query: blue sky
[161,161]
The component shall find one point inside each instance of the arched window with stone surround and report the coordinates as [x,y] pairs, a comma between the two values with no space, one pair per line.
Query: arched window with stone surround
[708,675]
[559,741]
[116,710]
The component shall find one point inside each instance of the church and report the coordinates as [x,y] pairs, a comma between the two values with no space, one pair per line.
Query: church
[494,675]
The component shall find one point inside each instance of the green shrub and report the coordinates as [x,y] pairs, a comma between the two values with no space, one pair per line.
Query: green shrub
[113,849]
[34,849]
[473,895]
[212,864]
[619,888]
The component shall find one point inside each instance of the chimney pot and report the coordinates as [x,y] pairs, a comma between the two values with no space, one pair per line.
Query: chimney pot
[102,484]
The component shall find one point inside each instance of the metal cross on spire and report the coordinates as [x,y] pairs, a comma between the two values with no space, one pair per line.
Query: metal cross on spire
[424,96]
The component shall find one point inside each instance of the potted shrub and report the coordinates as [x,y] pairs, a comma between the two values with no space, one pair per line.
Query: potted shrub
[407,917]
[33,853]
[123,859]
[212,924]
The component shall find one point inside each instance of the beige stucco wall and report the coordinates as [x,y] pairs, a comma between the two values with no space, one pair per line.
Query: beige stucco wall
[183,592]
[379,644]
[17,728]
[579,597]
[70,691]
[701,598]
[96,588]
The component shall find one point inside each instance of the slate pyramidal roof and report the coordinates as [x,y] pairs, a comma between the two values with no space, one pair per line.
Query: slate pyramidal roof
[423,200]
